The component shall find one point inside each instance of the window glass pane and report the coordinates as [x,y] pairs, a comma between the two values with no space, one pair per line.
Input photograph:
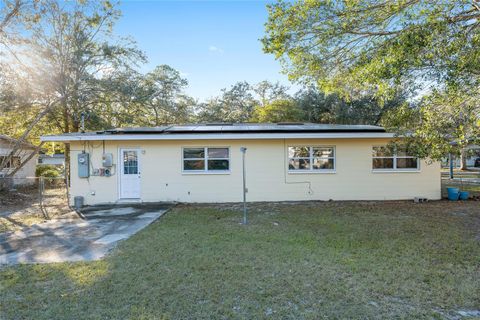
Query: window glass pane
[189,153]
[130,170]
[298,152]
[194,165]
[218,164]
[383,163]
[407,163]
[382,151]
[404,152]
[323,152]
[322,163]
[130,162]
[299,164]
[218,152]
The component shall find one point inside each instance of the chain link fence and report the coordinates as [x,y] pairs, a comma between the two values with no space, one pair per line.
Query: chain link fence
[44,196]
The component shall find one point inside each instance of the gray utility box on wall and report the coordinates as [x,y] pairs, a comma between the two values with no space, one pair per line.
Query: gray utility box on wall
[83,165]
[107,160]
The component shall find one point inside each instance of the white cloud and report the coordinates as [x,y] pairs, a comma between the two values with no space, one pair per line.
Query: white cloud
[216,50]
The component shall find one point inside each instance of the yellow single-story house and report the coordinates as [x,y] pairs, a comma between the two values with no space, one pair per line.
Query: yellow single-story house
[283,162]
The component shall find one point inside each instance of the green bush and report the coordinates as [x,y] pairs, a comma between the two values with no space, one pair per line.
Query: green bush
[48,171]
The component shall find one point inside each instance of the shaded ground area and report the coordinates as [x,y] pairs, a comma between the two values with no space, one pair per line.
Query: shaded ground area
[316,260]
[472,185]
[77,239]
[25,207]
[465,180]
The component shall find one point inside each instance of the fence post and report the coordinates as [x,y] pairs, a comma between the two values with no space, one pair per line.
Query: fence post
[41,190]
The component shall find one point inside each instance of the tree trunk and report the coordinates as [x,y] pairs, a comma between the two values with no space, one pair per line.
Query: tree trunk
[30,156]
[18,144]
[463,159]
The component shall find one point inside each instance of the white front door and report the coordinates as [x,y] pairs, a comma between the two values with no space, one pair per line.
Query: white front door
[129,173]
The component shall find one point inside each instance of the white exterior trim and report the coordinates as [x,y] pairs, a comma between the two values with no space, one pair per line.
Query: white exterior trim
[119,170]
[215,136]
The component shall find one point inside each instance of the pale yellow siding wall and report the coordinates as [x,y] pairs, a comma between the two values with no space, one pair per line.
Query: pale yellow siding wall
[267,177]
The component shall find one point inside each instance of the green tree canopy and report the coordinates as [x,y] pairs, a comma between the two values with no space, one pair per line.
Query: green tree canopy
[279,111]
[369,48]
[164,98]
[353,46]
[232,105]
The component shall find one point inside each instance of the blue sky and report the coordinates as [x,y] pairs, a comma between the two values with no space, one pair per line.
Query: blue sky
[212,43]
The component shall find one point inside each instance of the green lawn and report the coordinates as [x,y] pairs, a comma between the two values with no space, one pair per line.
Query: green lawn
[332,260]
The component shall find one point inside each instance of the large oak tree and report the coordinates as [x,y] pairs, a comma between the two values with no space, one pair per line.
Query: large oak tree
[354,47]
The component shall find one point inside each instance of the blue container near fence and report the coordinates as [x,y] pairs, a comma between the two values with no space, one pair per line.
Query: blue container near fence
[453,194]
[463,195]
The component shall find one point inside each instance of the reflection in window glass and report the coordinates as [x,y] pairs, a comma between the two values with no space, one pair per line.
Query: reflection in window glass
[309,158]
[386,158]
[194,165]
[407,163]
[217,153]
[193,153]
[299,164]
[320,163]
[218,164]
[206,159]
[298,152]
[383,163]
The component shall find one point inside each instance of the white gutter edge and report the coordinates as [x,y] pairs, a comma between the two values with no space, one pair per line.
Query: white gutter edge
[226,136]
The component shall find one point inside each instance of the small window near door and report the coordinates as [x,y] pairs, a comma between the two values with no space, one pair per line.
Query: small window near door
[206,159]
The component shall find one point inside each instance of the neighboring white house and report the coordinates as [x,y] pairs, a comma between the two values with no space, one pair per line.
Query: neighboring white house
[27,173]
[472,160]
[57,159]
[284,162]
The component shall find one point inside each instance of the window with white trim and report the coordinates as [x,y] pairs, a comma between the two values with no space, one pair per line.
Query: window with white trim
[393,158]
[205,159]
[311,158]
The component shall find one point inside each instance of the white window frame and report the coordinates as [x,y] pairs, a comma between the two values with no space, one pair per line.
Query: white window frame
[311,157]
[395,157]
[206,158]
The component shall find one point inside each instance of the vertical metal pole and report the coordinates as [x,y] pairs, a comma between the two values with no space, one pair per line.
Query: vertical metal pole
[450,162]
[244,150]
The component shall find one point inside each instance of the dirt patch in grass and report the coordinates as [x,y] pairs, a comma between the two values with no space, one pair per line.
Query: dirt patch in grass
[23,207]
[315,260]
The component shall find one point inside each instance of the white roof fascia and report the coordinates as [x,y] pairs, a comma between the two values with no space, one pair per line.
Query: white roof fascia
[224,136]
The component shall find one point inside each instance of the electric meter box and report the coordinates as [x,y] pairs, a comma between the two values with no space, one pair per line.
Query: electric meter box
[107,160]
[83,165]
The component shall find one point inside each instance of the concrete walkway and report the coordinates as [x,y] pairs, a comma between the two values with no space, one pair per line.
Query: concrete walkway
[78,239]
